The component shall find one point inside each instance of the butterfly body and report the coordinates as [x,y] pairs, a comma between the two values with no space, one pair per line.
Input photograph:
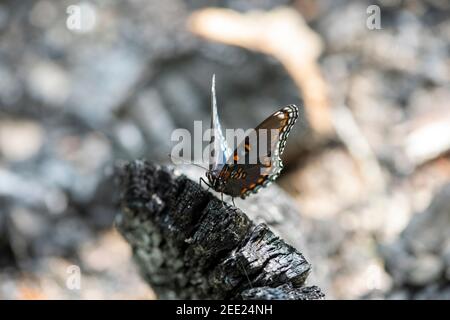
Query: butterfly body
[256,161]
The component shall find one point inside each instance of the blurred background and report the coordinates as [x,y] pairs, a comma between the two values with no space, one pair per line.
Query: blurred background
[85,86]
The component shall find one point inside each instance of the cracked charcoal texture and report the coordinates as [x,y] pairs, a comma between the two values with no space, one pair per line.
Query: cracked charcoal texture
[190,245]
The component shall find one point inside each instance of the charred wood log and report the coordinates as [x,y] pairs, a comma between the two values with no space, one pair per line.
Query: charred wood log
[190,245]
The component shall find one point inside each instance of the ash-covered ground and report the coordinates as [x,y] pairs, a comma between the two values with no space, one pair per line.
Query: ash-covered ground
[75,104]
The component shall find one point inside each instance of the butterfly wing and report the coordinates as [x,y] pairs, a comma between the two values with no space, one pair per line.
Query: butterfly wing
[245,178]
[220,151]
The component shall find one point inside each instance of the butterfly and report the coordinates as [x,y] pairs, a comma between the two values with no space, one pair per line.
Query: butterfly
[228,173]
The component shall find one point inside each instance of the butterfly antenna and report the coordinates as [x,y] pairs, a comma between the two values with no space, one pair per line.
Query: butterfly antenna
[187,162]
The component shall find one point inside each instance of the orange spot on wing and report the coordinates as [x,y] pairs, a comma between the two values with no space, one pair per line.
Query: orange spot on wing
[225,174]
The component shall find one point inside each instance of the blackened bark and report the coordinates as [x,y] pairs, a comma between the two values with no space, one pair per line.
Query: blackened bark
[190,245]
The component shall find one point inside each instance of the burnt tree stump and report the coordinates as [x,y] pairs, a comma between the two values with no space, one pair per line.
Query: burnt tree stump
[188,244]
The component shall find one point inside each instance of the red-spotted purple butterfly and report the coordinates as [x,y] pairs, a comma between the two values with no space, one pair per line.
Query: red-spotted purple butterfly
[230,176]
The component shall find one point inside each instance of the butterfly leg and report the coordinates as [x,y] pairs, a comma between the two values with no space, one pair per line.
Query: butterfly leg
[203,180]
[232,200]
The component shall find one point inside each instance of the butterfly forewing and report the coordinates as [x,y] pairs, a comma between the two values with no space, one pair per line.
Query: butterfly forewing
[270,139]
[220,151]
